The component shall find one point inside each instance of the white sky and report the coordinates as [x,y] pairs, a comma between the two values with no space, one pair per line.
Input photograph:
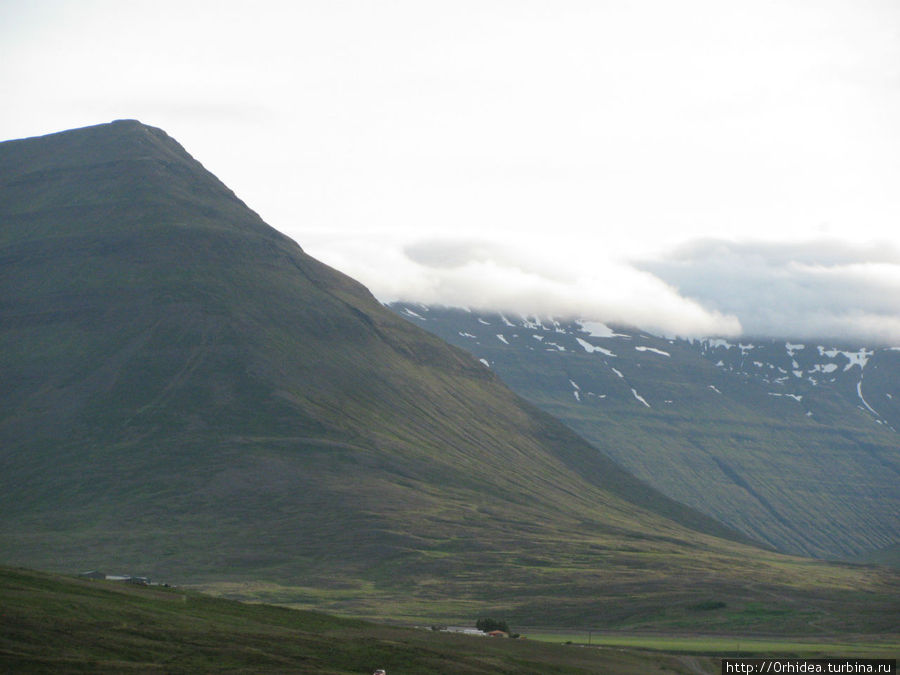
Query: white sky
[550,156]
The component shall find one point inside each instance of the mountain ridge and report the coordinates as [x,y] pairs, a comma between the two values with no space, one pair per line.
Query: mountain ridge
[754,432]
[196,397]
[320,324]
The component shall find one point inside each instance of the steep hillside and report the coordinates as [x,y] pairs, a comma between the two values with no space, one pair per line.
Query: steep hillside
[188,395]
[793,444]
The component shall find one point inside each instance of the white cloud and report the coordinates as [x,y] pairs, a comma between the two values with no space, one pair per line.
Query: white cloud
[818,288]
[526,277]
[813,289]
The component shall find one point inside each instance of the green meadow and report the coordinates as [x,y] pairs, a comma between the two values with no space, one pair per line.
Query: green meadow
[56,624]
[887,646]
[59,624]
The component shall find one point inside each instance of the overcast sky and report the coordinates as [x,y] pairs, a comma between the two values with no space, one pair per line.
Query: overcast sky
[690,167]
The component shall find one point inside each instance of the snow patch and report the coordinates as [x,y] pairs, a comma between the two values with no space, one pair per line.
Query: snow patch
[572,382]
[638,396]
[713,387]
[618,373]
[792,349]
[796,397]
[537,324]
[466,335]
[860,358]
[483,322]
[590,349]
[654,350]
[859,393]
[411,313]
[597,329]
[502,339]
[538,337]
[486,364]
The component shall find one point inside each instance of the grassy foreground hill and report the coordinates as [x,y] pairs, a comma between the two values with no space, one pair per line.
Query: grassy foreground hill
[54,624]
[188,395]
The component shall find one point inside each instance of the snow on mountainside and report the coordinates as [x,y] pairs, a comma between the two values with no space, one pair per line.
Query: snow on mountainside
[788,369]
[793,370]
[795,443]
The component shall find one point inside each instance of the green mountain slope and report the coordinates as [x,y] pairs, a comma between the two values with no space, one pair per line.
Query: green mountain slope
[188,395]
[780,440]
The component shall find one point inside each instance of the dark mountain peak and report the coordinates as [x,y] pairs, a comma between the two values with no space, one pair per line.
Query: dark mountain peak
[114,141]
[122,176]
[116,230]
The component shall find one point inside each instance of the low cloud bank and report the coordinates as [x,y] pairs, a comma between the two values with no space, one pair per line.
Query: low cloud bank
[521,278]
[823,288]
[486,275]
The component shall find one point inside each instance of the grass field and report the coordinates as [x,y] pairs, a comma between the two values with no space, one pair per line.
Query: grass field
[657,606]
[867,646]
[56,624]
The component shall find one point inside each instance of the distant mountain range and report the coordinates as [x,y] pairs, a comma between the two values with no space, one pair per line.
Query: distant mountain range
[187,395]
[795,444]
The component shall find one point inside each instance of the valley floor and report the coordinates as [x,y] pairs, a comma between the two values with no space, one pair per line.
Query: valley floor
[53,623]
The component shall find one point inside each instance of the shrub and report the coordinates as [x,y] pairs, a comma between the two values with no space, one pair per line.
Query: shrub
[486,625]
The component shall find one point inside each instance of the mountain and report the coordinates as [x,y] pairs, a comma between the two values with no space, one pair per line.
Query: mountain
[188,395]
[795,445]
